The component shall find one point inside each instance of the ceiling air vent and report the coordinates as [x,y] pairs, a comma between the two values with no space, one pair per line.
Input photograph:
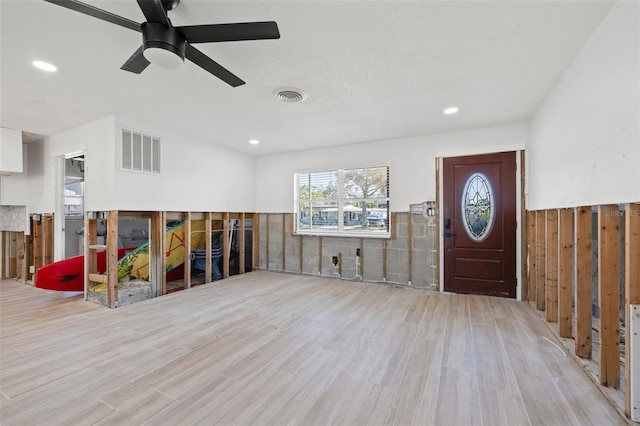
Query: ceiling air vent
[290,94]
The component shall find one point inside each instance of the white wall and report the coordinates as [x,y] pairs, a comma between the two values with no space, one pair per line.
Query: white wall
[584,144]
[196,175]
[411,162]
[10,151]
[14,188]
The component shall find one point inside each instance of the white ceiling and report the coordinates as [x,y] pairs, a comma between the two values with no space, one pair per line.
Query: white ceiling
[372,69]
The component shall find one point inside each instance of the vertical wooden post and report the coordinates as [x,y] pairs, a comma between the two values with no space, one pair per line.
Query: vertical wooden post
[157,256]
[22,264]
[522,220]
[255,239]
[284,241]
[47,242]
[112,259]
[531,238]
[320,255]
[608,294]
[4,252]
[207,247]
[384,260]
[267,239]
[540,260]
[565,269]
[582,263]
[37,244]
[409,247]
[13,259]
[187,249]
[226,244]
[551,268]
[632,288]
[241,244]
[301,253]
[90,256]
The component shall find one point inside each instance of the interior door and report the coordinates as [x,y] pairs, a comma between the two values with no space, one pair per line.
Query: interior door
[479,224]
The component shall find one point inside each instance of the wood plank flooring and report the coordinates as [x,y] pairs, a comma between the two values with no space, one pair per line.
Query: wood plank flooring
[275,349]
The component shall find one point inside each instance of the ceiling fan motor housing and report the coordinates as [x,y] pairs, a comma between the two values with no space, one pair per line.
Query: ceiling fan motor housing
[159,36]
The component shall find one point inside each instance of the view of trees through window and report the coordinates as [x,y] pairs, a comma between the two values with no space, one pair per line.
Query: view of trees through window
[344,201]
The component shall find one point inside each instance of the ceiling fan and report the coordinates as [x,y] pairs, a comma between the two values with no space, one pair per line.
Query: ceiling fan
[168,46]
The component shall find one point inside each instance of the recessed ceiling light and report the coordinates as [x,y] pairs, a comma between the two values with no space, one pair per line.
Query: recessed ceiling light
[451,110]
[44,66]
[254,142]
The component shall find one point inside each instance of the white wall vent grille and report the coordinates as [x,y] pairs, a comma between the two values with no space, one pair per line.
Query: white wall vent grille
[140,152]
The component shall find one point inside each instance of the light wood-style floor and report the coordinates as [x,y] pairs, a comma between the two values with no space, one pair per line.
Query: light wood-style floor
[276,349]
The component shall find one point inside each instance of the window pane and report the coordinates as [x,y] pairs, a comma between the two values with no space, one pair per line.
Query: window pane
[324,215]
[365,183]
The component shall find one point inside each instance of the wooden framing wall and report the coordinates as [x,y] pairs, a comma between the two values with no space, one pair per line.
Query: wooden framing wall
[568,280]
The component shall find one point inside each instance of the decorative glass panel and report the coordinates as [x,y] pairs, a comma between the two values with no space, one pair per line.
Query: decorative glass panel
[478,212]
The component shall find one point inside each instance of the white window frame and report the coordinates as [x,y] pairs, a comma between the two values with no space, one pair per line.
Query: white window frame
[339,228]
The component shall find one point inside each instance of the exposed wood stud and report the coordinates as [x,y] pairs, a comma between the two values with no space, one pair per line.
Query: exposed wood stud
[21,251]
[267,239]
[540,260]
[4,264]
[384,260]
[320,255]
[37,244]
[112,259]
[394,225]
[301,253]
[523,228]
[551,267]
[91,256]
[582,286]
[207,247]
[631,286]
[157,255]
[241,243]
[361,271]
[187,249]
[565,269]
[531,242]
[255,238]
[410,247]
[608,291]
[13,259]
[226,241]
[47,242]
[284,241]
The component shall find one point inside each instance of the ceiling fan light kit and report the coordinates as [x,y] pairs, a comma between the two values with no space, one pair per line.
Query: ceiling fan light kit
[168,46]
[163,46]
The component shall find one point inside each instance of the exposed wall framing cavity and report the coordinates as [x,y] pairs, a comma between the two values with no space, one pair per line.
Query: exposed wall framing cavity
[592,309]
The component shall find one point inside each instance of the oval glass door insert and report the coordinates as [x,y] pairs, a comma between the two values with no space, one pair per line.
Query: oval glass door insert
[478,211]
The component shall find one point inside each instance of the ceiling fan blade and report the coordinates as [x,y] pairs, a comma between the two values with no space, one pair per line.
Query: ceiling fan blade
[136,62]
[97,13]
[208,64]
[154,11]
[230,32]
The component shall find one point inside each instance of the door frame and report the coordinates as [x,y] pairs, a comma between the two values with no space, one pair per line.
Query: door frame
[520,220]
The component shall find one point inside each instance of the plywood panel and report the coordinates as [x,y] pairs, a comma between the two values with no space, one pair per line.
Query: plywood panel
[551,268]
[565,270]
[582,263]
[608,294]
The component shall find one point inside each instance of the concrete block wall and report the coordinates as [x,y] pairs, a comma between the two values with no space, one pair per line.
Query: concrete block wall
[281,250]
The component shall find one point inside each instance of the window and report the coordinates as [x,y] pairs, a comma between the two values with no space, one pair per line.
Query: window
[140,152]
[346,202]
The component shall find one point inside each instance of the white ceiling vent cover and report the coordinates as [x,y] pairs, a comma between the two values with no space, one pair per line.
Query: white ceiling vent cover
[290,94]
